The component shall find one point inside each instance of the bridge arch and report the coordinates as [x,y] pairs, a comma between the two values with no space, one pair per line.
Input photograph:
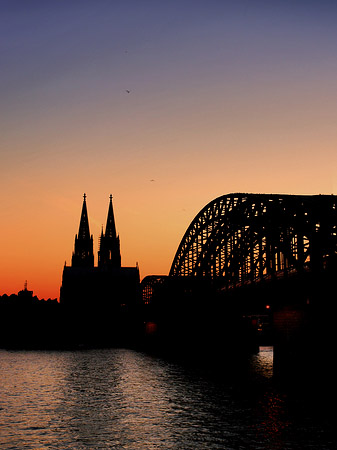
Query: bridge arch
[240,238]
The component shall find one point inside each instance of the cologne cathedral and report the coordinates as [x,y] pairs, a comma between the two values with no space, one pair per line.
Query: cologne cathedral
[99,300]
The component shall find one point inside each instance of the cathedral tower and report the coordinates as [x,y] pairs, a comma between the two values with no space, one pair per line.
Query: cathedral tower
[83,255]
[99,301]
[109,254]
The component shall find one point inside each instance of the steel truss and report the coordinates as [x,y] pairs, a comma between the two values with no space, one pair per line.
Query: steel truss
[241,238]
[149,284]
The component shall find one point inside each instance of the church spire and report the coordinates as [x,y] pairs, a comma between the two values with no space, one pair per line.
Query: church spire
[110,229]
[83,231]
[109,254]
[83,255]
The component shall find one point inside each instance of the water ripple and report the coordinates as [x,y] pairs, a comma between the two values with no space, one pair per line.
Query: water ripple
[122,399]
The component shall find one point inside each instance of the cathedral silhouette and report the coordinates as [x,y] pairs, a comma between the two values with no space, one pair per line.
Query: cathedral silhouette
[101,291]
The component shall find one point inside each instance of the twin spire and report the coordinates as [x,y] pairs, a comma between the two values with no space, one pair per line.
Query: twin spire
[110,229]
[83,231]
[109,250]
[109,254]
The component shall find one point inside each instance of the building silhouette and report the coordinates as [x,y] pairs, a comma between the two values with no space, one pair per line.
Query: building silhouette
[25,294]
[103,296]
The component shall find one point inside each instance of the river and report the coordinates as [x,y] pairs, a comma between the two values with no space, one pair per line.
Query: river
[126,399]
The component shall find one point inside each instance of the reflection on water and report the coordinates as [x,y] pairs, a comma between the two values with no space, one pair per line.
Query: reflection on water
[263,362]
[122,399]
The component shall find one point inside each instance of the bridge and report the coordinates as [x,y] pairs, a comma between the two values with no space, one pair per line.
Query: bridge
[246,237]
[252,255]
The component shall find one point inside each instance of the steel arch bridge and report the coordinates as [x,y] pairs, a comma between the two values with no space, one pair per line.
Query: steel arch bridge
[241,238]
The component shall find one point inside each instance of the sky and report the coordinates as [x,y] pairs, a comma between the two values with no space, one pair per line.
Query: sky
[166,105]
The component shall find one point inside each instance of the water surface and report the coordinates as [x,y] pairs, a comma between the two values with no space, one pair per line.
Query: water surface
[123,399]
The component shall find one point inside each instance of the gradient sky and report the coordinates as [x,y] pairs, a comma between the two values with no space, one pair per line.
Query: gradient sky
[225,96]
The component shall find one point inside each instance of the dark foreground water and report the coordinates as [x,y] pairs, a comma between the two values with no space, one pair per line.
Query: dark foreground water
[123,399]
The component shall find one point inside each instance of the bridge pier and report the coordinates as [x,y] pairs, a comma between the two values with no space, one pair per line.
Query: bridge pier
[291,340]
[305,336]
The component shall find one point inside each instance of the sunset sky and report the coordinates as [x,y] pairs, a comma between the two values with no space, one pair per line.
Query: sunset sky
[224,96]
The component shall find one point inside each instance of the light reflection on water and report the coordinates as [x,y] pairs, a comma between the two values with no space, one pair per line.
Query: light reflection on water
[122,399]
[263,362]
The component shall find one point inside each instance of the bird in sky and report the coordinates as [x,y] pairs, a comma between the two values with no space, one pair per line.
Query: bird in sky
[126,90]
